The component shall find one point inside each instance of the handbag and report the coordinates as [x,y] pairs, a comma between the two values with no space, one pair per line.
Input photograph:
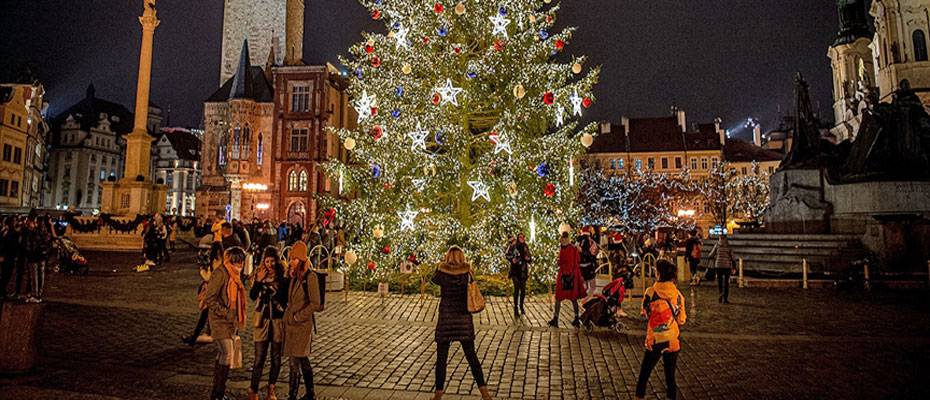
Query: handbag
[236,361]
[568,282]
[476,301]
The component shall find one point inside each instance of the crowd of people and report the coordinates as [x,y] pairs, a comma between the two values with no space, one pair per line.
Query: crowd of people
[26,246]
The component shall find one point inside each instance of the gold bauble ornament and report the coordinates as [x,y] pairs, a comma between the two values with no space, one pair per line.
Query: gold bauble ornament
[512,188]
[350,257]
[406,69]
[378,232]
[576,68]
[349,144]
[587,140]
[460,9]
[519,92]
[532,19]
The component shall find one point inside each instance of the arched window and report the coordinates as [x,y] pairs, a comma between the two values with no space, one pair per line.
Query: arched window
[246,148]
[259,152]
[920,46]
[221,151]
[292,181]
[237,132]
[304,181]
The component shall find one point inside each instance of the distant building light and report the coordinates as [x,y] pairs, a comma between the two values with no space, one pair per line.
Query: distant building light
[262,206]
[686,213]
[255,187]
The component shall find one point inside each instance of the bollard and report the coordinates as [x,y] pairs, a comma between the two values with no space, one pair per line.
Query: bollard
[345,288]
[804,273]
[548,294]
[928,273]
[865,273]
[741,283]
[422,288]
[642,273]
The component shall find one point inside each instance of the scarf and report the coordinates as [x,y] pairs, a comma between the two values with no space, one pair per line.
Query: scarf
[236,292]
[298,272]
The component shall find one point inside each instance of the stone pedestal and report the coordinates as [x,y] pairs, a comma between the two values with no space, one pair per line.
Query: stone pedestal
[19,325]
[798,204]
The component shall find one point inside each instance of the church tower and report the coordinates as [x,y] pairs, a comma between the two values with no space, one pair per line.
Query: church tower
[900,46]
[853,71]
[262,23]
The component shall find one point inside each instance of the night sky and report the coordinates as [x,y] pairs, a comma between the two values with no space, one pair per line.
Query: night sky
[733,58]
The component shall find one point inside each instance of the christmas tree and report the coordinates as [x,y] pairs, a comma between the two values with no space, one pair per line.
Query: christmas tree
[467,132]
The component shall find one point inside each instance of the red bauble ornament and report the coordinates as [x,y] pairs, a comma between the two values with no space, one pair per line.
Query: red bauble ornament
[499,45]
[559,44]
[374,111]
[436,99]
[586,102]
[412,258]
[438,8]
[377,133]
[457,50]
[388,185]
[494,136]
[376,14]
[549,98]
[369,48]
[376,61]
[549,18]
[549,191]
[386,249]
[425,39]
[372,265]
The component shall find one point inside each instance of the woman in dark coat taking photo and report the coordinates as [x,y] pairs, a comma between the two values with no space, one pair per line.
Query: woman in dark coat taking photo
[270,290]
[455,322]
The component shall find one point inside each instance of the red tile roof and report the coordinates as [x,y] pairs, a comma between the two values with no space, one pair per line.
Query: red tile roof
[656,135]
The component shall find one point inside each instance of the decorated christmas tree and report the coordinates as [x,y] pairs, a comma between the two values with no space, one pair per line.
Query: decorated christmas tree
[467,132]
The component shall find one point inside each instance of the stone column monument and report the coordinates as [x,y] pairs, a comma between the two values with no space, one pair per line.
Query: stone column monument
[136,194]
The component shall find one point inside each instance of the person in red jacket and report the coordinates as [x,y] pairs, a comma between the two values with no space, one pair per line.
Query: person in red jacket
[569,285]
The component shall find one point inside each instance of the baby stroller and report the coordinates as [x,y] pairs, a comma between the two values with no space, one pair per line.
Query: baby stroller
[70,259]
[602,308]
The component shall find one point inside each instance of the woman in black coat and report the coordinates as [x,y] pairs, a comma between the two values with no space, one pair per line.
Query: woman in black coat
[455,322]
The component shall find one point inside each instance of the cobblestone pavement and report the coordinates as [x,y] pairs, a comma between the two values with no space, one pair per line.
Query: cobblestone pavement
[115,335]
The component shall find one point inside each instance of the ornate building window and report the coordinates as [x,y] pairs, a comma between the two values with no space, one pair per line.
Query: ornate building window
[292,181]
[245,147]
[300,138]
[300,99]
[920,46]
[304,181]
[221,151]
[259,151]
[237,140]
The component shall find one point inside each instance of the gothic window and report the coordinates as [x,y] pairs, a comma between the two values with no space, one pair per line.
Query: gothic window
[920,46]
[221,151]
[304,181]
[260,150]
[237,133]
[300,138]
[246,147]
[292,181]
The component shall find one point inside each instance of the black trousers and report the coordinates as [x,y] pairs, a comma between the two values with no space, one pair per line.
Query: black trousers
[300,366]
[558,309]
[442,358]
[723,283]
[519,294]
[261,353]
[669,362]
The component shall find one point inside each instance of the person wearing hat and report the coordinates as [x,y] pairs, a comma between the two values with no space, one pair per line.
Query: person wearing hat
[304,299]
[225,298]
[269,290]
[568,282]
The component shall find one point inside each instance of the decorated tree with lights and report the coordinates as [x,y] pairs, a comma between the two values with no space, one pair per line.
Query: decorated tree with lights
[734,196]
[467,132]
[637,203]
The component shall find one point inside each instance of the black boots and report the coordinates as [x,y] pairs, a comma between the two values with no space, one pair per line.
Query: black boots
[300,367]
[220,376]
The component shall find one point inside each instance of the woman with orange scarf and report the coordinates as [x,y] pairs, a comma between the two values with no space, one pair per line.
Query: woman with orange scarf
[304,299]
[225,299]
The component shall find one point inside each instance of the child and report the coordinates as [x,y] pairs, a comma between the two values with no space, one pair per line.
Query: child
[664,307]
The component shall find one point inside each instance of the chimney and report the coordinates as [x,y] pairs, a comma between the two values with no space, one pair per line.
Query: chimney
[625,121]
[294,37]
[757,135]
[605,128]
[680,115]
[720,131]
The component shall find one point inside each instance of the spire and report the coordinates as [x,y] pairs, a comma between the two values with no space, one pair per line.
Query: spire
[852,20]
[242,81]
[91,92]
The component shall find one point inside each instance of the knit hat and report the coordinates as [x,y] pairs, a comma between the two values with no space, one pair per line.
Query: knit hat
[299,251]
[271,252]
[586,230]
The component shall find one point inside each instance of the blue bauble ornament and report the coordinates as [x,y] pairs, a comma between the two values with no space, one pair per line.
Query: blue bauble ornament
[443,31]
[439,137]
[543,34]
[542,170]
[378,2]
[396,25]
[399,91]
[502,11]
[395,113]
[376,171]
[358,72]
[471,75]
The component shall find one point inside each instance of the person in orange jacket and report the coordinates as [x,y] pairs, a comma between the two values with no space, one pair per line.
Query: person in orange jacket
[664,307]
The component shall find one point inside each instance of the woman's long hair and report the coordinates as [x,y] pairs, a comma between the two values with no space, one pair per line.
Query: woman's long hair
[455,256]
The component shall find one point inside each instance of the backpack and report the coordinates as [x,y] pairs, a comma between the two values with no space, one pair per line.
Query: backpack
[592,248]
[662,314]
[696,251]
